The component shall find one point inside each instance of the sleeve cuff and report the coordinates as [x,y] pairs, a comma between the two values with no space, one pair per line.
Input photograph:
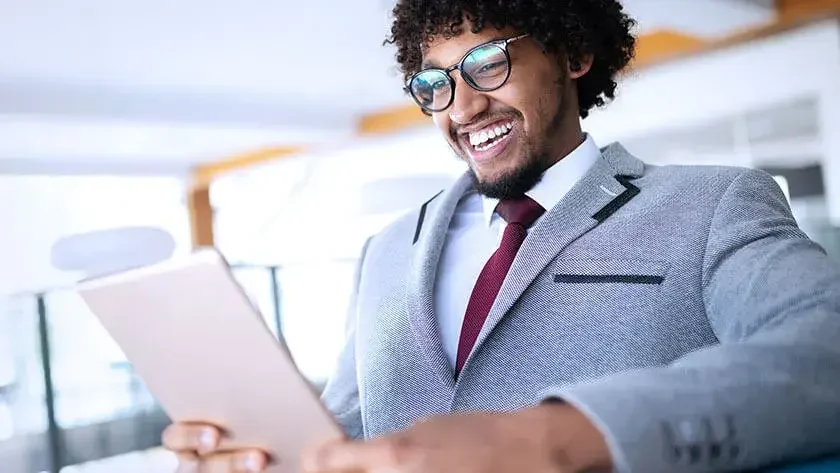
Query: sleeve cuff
[596,415]
[645,429]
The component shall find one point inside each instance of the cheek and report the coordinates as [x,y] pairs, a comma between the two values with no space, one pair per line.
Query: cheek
[443,123]
[544,105]
[533,101]
[547,105]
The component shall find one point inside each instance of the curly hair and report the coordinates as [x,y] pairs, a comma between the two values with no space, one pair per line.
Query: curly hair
[572,29]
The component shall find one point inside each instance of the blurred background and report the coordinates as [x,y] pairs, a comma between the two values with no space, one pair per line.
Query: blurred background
[133,131]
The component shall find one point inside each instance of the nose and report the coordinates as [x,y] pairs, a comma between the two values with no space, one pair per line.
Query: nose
[467,103]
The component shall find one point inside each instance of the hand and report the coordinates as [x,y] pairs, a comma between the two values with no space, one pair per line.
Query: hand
[197,448]
[551,438]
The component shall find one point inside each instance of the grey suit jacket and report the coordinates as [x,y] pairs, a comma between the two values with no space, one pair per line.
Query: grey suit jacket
[680,307]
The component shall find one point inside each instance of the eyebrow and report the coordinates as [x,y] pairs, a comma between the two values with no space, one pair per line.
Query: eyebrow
[430,64]
[434,64]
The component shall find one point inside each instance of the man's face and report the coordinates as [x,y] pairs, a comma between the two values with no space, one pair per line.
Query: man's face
[528,112]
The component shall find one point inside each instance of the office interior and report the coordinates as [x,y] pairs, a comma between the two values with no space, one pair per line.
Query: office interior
[131,132]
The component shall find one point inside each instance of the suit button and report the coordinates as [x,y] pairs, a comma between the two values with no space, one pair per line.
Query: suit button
[695,452]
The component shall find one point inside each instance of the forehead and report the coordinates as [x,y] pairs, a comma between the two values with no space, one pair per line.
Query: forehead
[442,51]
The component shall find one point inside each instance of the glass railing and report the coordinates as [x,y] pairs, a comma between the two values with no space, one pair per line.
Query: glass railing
[69,397]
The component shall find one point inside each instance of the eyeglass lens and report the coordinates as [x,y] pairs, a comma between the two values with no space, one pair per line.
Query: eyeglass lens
[485,68]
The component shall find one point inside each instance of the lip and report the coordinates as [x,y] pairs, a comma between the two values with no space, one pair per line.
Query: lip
[467,131]
[487,155]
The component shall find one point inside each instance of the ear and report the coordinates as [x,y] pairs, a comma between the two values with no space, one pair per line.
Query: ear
[580,67]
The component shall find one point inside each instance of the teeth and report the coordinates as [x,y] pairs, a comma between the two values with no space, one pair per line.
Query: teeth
[487,146]
[478,138]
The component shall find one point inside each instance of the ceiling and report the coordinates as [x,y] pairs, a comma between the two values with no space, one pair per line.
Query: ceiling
[157,86]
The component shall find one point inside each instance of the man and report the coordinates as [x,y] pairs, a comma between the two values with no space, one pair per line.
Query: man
[564,308]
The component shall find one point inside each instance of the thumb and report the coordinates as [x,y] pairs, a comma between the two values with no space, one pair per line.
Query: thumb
[342,455]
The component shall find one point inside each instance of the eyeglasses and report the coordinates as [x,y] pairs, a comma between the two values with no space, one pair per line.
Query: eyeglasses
[485,68]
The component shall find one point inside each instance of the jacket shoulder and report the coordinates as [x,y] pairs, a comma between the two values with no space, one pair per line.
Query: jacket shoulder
[693,172]
[705,180]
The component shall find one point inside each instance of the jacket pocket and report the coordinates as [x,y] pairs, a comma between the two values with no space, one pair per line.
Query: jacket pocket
[610,271]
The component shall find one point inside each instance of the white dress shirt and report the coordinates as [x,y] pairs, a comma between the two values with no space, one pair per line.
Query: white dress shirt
[476,231]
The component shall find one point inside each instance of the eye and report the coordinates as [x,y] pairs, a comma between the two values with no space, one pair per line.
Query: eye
[490,68]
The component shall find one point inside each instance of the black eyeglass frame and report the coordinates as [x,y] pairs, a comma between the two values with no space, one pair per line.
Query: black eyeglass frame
[499,43]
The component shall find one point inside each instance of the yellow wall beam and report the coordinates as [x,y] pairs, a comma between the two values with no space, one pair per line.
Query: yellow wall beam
[790,14]
[393,120]
[201,216]
[796,9]
[204,174]
[658,46]
[198,196]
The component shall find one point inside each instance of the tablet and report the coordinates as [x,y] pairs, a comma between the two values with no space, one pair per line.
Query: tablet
[205,353]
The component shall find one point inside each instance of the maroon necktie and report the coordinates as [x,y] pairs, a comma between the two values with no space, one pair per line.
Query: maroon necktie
[519,214]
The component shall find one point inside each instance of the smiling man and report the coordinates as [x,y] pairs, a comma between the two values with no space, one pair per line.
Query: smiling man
[565,308]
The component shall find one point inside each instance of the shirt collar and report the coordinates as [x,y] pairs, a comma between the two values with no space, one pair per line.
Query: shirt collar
[557,180]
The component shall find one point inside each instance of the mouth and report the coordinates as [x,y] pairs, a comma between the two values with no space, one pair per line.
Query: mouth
[489,142]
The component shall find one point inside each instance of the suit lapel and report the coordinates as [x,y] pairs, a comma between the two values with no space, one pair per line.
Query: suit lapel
[429,236]
[603,191]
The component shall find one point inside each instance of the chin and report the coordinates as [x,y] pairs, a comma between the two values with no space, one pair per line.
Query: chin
[509,185]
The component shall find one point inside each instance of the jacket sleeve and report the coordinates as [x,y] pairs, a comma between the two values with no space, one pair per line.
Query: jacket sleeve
[769,393]
[341,394]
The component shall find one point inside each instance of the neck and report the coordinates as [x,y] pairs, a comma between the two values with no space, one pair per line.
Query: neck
[564,145]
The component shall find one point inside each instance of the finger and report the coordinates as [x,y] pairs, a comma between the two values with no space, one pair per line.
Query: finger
[191,438]
[242,461]
[187,463]
[351,456]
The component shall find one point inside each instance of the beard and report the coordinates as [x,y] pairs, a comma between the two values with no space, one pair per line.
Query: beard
[512,185]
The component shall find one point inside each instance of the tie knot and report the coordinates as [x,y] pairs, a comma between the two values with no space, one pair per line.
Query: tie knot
[523,211]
